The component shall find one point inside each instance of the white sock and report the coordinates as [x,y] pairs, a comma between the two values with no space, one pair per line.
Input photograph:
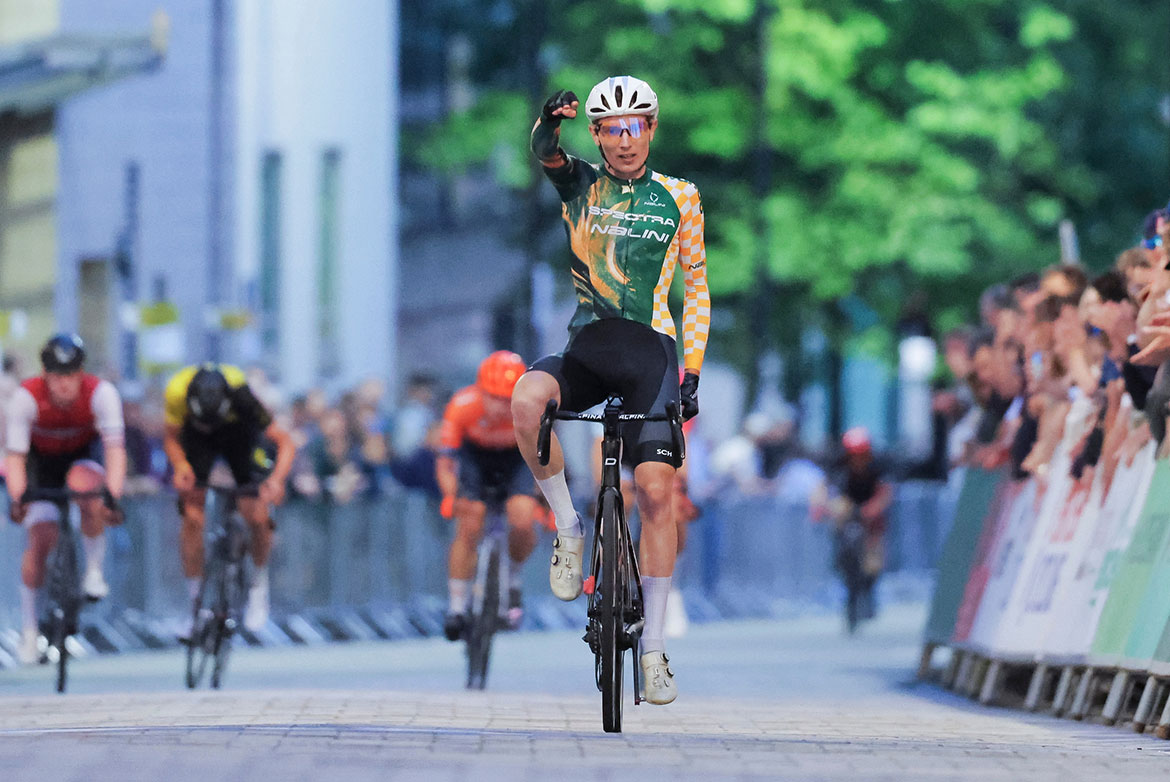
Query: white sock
[95,551]
[260,578]
[556,491]
[655,590]
[515,574]
[28,607]
[193,587]
[458,594]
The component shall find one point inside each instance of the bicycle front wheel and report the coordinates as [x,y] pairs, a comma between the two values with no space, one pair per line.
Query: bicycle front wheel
[57,636]
[610,614]
[483,624]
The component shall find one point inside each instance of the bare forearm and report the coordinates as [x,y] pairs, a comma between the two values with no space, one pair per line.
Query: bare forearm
[116,469]
[446,476]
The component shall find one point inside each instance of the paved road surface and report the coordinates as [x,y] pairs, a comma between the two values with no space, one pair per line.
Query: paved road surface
[782,700]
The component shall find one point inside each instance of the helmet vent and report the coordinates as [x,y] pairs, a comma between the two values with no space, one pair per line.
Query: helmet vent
[605,103]
[634,98]
[617,93]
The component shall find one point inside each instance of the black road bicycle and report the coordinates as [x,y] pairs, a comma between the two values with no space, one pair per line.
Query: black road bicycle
[63,599]
[219,604]
[614,586]
[489,605]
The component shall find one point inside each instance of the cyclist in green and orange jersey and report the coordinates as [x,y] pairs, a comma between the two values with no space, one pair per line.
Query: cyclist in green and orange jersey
[630,229]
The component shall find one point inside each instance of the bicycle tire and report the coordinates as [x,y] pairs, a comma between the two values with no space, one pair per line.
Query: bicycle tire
[197,643]
[226,613]
[611,614]
[483,625]
[57,641]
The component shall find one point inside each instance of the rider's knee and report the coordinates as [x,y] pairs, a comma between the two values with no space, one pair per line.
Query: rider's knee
[42,537]
[469,526]
[521,513]
[192,519]
[655,489]
[529,397]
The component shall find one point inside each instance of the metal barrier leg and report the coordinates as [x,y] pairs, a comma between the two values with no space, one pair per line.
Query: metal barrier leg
[1036,687]
[1146,705]
[1163,729]
[990,690]
[951,674]
[924,661]
[978,669]
[1063,688]
[966,663]
[1084,695]
[1117,692]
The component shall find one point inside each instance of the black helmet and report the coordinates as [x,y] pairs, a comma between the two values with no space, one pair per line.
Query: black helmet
[63,354]
[208,396]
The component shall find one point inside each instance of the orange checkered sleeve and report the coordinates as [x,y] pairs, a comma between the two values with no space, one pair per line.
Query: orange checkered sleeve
[692,256]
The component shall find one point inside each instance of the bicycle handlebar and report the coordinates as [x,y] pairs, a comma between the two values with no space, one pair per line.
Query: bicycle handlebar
[59,495]
[551,414]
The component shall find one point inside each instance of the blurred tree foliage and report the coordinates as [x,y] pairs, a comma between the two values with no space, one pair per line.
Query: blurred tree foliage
[868,152]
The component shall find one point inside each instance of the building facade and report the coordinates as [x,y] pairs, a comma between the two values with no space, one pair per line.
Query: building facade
[238,204]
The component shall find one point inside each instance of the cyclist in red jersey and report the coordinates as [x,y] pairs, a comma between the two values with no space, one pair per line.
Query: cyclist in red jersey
[479,461]
[630,229]
[55,422]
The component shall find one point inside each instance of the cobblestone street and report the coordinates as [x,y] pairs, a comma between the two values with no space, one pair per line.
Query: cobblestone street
[782,700]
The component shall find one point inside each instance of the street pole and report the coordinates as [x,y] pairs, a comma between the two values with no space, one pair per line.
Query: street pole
[533,337]
[760,305]
[215,174]
[125,264]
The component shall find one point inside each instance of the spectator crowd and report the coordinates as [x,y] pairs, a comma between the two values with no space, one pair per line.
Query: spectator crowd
[1065,348]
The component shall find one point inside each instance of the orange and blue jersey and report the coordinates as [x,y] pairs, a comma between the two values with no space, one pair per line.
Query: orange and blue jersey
[466,420]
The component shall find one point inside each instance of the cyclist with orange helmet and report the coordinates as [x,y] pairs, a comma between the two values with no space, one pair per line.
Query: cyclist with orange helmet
[478,462]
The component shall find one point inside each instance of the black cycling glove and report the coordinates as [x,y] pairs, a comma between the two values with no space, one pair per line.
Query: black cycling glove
[561,99]
[689,391]
[545,139]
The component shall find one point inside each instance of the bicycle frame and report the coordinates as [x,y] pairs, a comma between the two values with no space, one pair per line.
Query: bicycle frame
[63,598]
[615,584]
[224,574]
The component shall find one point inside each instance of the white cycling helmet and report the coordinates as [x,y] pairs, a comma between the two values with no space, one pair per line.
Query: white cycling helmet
[620,95]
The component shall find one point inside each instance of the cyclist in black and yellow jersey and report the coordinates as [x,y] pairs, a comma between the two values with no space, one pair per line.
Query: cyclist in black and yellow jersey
[211,413]
[630,230]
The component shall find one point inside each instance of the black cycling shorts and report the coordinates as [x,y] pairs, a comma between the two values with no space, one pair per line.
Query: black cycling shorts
[616,356]
[48,470]
[239,444]
[493,474]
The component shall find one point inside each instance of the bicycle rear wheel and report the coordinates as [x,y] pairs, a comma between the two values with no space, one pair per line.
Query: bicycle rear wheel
[483,624]
[610,614]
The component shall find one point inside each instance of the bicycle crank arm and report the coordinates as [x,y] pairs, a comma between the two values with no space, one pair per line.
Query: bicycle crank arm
[632,634]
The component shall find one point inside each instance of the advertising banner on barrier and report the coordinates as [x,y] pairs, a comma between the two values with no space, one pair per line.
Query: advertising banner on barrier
[1005,566]
[1024,622]
[954,562]
[994,528]
[1129,584]
[1084,596]
[1153,612]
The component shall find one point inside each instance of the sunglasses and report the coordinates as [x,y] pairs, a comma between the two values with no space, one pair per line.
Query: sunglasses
[1152,242]
[616,126]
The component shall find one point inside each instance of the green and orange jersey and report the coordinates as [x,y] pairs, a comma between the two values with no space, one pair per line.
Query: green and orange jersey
[628,237]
